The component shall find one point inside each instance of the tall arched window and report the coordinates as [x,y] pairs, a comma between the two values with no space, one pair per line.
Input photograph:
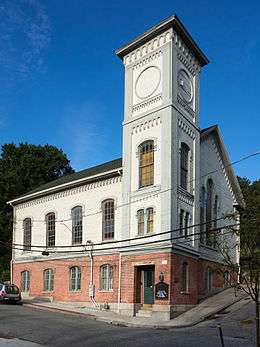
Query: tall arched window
[75,278]
[202,214]
[50,229]
[215,212]
[106,277]
[140,222]
[48,279]
[27,234]
[209,210]
[146,164]
[184,161]
[184,278]
[209,275]
[76,214]
[25,281]
[150,220]
[108,219]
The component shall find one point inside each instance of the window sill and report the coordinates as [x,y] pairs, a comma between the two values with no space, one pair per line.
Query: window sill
[208,247]
[185,293]
[144,235]
[106,291]
[147,189]
[108,241]
[75,291]
[186,192]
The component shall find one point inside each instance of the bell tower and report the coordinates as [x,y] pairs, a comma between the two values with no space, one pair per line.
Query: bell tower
[161,105]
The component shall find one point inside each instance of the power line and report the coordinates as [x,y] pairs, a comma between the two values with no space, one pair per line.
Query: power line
[162,191]
[138,237]
[129,245]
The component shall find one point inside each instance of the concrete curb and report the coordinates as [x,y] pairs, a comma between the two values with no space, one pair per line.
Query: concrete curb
[124,323]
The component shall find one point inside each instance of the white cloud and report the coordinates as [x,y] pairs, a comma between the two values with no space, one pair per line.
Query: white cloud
[24,35]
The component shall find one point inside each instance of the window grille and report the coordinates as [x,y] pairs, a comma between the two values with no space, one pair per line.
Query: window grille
[209,212]
[75,278]
[184,165]
[106,277]
[146,164]
[27,234]
[50,229]
[181,218]
[150,219]
[186,226]
[76,214]
[140,222]
[202,214]
[25,281]
[108,219]
[184,278]
[48,280]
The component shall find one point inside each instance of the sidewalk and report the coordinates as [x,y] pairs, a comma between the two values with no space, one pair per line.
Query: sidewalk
[194,316]
[17,343]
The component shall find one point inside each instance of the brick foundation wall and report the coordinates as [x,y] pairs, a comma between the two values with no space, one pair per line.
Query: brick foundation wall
[169,264]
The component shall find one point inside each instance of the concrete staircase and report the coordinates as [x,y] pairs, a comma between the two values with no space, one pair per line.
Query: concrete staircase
[146,311]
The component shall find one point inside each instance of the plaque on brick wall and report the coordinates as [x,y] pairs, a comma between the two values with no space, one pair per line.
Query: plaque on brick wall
[161,291]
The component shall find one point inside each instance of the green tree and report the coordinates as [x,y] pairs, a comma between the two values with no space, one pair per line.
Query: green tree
[22,168]
[248,271]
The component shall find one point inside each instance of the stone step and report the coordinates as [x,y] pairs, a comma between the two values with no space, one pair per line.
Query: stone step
[144,313]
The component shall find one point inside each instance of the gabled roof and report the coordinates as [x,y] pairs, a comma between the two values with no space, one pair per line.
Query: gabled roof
[95,173]
[214,131]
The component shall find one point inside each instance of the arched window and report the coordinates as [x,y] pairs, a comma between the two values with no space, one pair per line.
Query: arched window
[25,281]
[27,234]
[146,164]
[184,219]
[76,214]
[75,278]
[106,277]
[184,174]
[50,229]
[184,278]
[226,278]
[150,220]
[108,219]
[140,222]
[209,276]
[202,214]
[48,279]
[209,211]
[215,212]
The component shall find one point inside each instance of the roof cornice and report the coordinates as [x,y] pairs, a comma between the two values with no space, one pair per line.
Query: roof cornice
[170,22]
[61,187]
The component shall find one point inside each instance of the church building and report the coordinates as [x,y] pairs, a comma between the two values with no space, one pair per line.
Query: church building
[142,234]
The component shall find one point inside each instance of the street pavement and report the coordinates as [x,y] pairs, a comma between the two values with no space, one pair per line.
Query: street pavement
[56,329]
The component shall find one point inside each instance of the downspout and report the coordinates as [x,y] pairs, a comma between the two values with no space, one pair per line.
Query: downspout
[119,283]
[13,232]
[91,286]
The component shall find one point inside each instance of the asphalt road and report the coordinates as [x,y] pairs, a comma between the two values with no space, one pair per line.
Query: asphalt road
[62,330]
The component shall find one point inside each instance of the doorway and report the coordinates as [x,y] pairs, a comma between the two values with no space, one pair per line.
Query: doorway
[146,288]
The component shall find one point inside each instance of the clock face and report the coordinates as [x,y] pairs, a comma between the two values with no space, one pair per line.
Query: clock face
[185,88]
[147,82]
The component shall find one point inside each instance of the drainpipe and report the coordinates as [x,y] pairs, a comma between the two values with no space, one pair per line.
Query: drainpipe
[13,233]
[90,254]
[119,283]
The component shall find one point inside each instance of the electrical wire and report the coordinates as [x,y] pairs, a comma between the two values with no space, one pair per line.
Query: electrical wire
[138,237]
[160,192]
[129,245]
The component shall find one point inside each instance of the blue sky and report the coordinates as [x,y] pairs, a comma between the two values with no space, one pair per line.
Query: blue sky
[62,84]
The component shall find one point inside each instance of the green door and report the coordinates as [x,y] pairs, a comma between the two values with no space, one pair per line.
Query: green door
[148,286]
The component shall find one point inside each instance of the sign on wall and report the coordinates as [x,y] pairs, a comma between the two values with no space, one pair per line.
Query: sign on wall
[161,291]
